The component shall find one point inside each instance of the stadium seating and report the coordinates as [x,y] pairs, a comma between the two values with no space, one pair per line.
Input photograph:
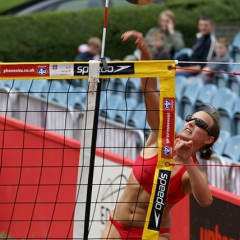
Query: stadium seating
[133,89]
[120,85]
[179,123]
[62,94]
[37,86]
[138,118]
[2,83]
[187,51]
[236,117]
[224,100]
[125,110]
[189,98]
[220,144]
[9,83]
[234,80]
[232,149]
[220,79]
[76,98]
[180,84]
[109,109]
[235,51]
[205,95]
[50,89]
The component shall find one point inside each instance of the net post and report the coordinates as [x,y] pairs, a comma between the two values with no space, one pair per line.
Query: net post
[85,157]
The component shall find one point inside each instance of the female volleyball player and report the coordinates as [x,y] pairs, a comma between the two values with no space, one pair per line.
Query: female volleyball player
[199,133]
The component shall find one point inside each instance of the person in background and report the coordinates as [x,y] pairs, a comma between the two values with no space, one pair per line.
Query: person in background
[173,38]
[203,48]
[221,56]
[91,51]
[159,51]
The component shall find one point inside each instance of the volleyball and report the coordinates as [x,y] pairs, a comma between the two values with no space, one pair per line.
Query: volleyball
[140,2]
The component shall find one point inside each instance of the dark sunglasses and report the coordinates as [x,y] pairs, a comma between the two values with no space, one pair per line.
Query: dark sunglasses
[199,122]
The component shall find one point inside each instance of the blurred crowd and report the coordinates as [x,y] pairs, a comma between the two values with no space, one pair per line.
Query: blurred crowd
[207,53]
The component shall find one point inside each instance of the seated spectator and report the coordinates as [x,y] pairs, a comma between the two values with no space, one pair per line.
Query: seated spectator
[173,38]
[221,56]
[159,51]
[91,51]
[203,48]
[82,48]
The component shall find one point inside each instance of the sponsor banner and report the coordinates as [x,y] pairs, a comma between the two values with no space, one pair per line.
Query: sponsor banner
[24,70]
[159,200]
[219,221]
[61,70]
[168,129]
[113,69]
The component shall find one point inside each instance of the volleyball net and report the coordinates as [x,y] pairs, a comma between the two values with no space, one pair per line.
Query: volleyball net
[69,136]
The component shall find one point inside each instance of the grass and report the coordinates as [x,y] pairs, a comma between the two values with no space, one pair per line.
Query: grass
[8,4]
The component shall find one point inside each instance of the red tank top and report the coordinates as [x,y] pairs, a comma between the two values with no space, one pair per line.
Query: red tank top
[144,169]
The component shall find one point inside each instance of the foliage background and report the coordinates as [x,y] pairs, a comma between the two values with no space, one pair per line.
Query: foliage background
[55,36]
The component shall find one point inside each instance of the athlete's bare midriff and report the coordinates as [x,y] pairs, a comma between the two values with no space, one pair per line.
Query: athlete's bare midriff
[132,207]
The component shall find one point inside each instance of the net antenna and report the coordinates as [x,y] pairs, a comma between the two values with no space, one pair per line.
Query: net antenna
[88,143]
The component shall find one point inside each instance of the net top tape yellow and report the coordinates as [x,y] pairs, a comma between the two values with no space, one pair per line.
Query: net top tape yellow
[80,70]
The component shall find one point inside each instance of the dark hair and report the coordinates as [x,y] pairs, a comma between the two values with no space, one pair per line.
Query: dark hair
[207,151]
[207,18]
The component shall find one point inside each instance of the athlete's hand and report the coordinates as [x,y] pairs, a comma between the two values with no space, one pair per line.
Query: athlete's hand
[183,150]
[140,42]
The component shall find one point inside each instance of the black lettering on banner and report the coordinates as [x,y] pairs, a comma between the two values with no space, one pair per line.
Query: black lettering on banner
[113,69]
[159,200]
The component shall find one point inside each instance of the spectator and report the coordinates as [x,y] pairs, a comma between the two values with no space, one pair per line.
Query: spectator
[92,51]
[221,56]
[173,38]
[159,51]
[203,48]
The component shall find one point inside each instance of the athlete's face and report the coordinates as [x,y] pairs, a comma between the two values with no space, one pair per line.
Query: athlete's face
[197,128]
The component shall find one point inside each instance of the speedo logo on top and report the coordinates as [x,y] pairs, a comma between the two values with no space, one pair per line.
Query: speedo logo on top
[113,69]
[159,200]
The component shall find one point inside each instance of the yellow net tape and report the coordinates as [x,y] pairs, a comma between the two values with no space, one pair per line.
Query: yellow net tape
[166,138]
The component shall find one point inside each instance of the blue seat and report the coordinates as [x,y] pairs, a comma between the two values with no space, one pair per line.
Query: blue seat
[107,84]
[80,91]
[9,83]
[220,79]
[224,101]
[221,143]
[189,98]
[232,149]
[133,89]
[179,124]
[205,95]
[180,85]
[109,110]
[235,51]
[62,93]
[50,89]
[16,85]
[83,83]
[77,97]
[234,80]
[125,110]
[187,51]
[37,86]
[25,85]
[236,117]
[138,118]
[120,85]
